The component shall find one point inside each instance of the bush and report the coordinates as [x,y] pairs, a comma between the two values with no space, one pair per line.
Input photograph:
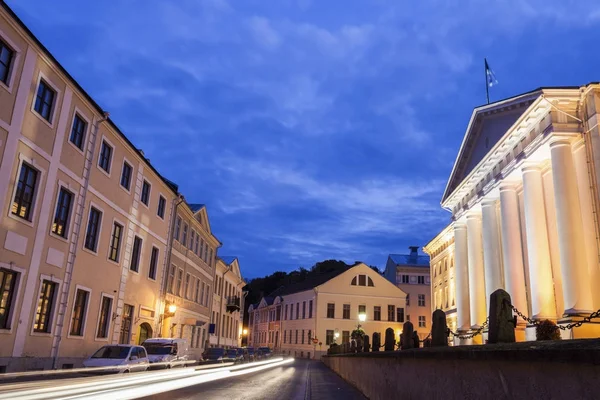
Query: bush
[547,330]
[357,333]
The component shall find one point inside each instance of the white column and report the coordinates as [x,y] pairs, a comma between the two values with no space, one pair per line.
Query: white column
[571,241]
[492,248]
[476,273]
[585,201]
[512,251]
[543,304]
[461,277]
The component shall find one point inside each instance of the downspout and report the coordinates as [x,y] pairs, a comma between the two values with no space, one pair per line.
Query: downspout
[221,306]
[213,265]
[66,287]
[163,289]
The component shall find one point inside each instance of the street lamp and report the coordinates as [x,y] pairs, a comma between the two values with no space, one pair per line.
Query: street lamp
[362,317]
[245,331]
[172,308]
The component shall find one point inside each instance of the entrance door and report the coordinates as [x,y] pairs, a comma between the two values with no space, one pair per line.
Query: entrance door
[125,336]
[145,332]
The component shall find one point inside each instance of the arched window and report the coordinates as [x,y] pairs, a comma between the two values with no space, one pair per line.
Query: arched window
[145,332]
[362,280]
[354,281]
[370,282]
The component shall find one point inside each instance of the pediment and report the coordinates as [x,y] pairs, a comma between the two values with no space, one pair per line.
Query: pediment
[487,127]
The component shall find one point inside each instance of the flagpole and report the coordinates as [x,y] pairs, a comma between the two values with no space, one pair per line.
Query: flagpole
[487,86]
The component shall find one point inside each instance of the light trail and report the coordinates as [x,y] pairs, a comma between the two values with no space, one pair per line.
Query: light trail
[129,386]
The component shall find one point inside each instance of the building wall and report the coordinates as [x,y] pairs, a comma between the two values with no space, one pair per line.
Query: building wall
[228,323]
[299,327]
[30,249]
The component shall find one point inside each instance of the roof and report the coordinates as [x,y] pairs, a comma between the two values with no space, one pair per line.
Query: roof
[195,207]
[308,284]
[269,299]
[99,109]
[408,260]
[228,259]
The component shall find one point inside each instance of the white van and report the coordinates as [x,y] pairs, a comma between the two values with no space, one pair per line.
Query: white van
[169,352]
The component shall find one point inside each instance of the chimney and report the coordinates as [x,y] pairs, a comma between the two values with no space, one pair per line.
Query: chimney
[414,253]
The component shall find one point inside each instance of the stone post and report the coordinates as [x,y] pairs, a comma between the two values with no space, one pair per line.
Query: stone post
[366,345]
[439,329]
[407,336]
[353,346]
[359,344]
[502,324]
[390,341]
[416,340]
[376,341]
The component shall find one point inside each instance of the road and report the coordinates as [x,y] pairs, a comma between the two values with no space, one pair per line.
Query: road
[302,379]
[270,379]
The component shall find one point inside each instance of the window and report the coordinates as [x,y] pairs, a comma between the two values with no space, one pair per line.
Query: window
[284,336]
[61,215]
[346,311]
[104,319]
[297,310]
[309,336]
[296,336]
[400,314]
[44,100]
[362,309]
[370,282]
[162,202]
[391,312]
[285,312]
[302,336]
[79,309]
[362,280]
[422,323]
[25,193]
[105,157]
[177,227]
[6,58]
[8,285]
[197,245]
[153,263]
[377,313]
[126,175]
[201,299]
[328,337]
[115,242]
[303,310]
[179,281]
[93,229]
[45,307]
[345,336]
[196,296]
[330,310]
[421,279]
[192,239]
[310,308]
[291,311]
[408,299]
[135,254]
[78,132]
[186,292]
[171,279]
[405,279]
[145,196]
[184,236]
[421,300]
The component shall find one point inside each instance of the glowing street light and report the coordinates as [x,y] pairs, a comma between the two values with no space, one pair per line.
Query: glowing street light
[172,308]
[337,335]
[245,331]
[362,317]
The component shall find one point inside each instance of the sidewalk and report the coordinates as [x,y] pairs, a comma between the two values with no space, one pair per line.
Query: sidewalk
[323,383]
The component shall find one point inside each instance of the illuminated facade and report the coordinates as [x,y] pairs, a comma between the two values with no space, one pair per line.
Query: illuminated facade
[523,195]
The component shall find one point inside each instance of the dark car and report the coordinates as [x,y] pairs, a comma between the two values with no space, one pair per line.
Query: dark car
[214,354]
[264,352]
[234,354]
[250,355]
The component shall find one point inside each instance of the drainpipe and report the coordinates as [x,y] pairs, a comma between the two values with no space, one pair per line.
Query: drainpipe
[221,304]
[163,290]
[66,287]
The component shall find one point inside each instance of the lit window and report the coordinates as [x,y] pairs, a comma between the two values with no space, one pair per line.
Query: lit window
[62,213]
[24,195]
[45,307]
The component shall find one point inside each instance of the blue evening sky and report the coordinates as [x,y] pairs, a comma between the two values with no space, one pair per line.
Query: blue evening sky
[312,129]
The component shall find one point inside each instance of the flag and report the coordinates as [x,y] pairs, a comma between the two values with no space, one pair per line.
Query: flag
[490,76]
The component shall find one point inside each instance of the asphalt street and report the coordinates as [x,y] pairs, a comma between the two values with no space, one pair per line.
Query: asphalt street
[300,380]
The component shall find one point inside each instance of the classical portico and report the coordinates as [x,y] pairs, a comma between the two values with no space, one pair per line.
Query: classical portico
[523,197]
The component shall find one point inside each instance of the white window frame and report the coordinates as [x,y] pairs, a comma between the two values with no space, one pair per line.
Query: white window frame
[77,111]
[85,315]
[31,161]
[131,178]
[112,157]
[122,244]
[20,276]
[15,62]
[60,185]
[57,99]
[110,319]
[41,279]
[87,222]
[149,193]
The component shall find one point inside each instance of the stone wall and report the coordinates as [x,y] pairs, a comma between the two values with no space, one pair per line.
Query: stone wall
[529,370]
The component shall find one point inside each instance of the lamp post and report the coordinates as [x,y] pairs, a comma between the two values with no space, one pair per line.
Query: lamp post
[336,335]
[362,317]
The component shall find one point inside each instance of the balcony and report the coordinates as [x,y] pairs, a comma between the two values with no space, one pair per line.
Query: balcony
[233,304]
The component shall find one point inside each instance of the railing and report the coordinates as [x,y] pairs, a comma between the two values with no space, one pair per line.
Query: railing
[233,304]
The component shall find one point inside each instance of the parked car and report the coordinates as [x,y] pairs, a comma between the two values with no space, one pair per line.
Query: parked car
[166,352]
[264,352]
[234,354]
[250,355]
[124,357]
[214,354]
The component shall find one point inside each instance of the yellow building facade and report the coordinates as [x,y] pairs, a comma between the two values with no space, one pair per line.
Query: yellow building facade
[523,195]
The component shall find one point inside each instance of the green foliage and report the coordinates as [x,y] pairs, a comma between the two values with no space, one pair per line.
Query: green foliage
[547,330]
[357,333]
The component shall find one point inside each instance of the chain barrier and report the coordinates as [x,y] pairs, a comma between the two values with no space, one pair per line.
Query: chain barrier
[566,327]
[474,333]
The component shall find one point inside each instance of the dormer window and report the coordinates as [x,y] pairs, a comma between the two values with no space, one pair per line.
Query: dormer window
[362,280]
